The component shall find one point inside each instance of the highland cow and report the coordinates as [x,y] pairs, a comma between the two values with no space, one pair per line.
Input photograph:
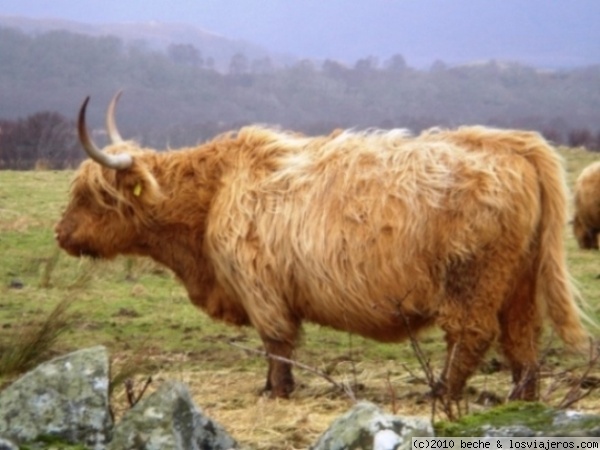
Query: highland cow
[375,233]
[586,221]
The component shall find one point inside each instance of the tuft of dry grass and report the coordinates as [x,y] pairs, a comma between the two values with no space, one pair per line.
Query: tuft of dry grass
[34,343]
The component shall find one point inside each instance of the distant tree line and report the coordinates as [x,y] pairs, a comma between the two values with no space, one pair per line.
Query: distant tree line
[177,97]
[44,140]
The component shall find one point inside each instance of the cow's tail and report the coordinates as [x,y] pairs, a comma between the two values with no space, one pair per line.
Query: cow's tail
[554,285]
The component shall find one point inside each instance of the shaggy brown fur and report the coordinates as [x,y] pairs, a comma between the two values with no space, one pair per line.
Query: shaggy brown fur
[586,222]
[362,232]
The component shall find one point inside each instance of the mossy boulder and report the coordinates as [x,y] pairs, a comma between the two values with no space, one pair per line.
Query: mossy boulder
[64,399]
[522,419]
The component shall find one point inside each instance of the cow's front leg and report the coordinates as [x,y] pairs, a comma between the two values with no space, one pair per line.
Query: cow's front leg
[277,326]
[280,381]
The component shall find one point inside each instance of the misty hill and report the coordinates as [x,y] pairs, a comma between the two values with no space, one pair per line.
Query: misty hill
[172,99]
[154,36]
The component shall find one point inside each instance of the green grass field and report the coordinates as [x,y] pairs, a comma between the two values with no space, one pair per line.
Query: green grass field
[140,312]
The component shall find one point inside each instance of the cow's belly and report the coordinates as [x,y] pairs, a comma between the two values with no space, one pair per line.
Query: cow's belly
[386,331]
[385,318]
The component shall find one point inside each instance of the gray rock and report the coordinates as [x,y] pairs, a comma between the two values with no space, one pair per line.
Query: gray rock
[7,445]
[169,420]
[15,283]
[575,423]
[367,427]
[65,398]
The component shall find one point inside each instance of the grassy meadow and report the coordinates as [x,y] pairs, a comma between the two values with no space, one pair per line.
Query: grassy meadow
[140,312]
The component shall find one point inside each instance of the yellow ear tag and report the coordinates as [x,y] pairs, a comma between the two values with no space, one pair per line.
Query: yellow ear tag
[137,189]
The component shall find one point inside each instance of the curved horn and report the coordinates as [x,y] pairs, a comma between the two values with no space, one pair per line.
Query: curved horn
[111,125]
[117,162]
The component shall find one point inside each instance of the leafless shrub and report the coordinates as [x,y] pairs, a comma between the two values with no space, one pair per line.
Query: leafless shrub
[582,385]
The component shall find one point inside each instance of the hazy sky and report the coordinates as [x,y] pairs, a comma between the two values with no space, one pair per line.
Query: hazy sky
[351,29]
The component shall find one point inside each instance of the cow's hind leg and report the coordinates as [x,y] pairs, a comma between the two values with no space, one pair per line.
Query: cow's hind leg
[467,344]
[475,290]
[520,329]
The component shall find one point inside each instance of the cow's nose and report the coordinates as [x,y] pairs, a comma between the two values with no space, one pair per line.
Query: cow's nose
[58,235]
[58,230]
[61,231]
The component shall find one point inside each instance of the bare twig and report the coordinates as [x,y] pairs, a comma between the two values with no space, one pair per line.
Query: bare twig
[552,387]
[392,393]
[352,361]
[524,379]
[129,391]
[133,399]
[341,387]
[414,375]
[575,394]
[425,363]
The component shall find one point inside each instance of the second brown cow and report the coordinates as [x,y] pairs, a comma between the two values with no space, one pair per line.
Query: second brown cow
[586,221]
